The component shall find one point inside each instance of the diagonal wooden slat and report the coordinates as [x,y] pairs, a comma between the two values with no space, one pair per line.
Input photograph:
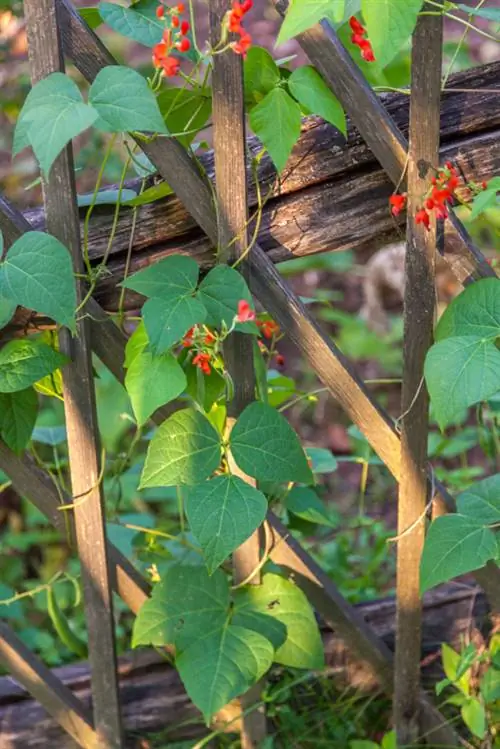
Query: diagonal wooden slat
[61,210]
[389,146]
[51,693]
[419,315]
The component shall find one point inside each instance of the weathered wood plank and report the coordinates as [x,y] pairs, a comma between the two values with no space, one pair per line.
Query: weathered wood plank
[419,316]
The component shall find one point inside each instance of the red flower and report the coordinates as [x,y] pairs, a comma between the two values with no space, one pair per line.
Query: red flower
[209,339]
[183,45]
[181,8]
[358,38]
[398,203]
[269,328]
[242,47]
[184,27]
[188,338]
[175,22]
[422,217]
[356,27]
[484,185]
[160,52]
[234,19]
[160,11]
[235,25]
[170,66]
[247,5]
[367,51]
[280,360]
[202,361]
[245,312]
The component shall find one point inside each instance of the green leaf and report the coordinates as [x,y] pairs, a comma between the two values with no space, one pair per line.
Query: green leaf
[188,601]
[53,113]
[460,372]
[167,320]
[302,14]
[7,310]
[142,27]
[491,14]
[453,547]
[276,121]
[474,312]
[474,717]
[486,199]
[18,412]
[156,192]
[389,24]
[490,685]
[152,381]
[312,92]
[91,16]
[23,362]
[266,447]
[281,599]
[38,273]
[305,503]
[185,111]
[222,514]
[213,386]
[175,275]
[125,102]
[389,741]
[481,501]
[363,744]
[221,666]
[136,344]
[322,460]
[106,197]
[49,435]
[186,449]
[220,291]
[261,74]
[451,662]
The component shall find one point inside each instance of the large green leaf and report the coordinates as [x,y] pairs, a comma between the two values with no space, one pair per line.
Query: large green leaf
[261,74]
[460,372]
[7,309]
[266,447]
[454,546]
[389,24]
[53,113]
[125,102]
[221,666]
[306,504]
[276,121]
[18,412]
[25,361]
[481,501]
[281,599]
[175,275]
[186,603]
[38,273]
[220,291]
[311,92]
[302,14]
[135,22]
[186,449]
[474,312]
[151,381]
[222,513]
[185,110]
[167,320]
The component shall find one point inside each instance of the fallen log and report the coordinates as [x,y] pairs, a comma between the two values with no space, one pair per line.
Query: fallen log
[154,702]
[323,199]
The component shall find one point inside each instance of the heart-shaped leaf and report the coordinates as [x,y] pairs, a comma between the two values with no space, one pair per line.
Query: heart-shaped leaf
[175,275]
[276,122]
[481,501]
[474,312]
[167,320]
[312,92]
[220,291]
[24,362]
[152,381]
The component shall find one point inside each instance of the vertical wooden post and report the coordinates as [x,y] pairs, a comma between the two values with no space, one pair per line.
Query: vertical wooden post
[231,180]
[79,402]
[419,306]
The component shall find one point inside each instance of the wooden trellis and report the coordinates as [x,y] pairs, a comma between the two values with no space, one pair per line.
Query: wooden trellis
[55,27]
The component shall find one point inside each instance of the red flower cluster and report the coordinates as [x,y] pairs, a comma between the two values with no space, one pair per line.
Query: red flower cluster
[234,21]
[173,38]
[245,312]
[358,38]
[440,194]
[202,361]
[197,338]
[398,203]
[268,328]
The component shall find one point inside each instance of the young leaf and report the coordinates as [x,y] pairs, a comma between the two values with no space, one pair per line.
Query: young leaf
[167,320]
[389,24]
[186,602]
[175,275]
[24,361]
[53,113]
[302,14]
[222,513]
[7,309]
[454,546]
[220,291]
[281,599]
[481,501]
[322,460]
[460,372]
[186,449]
[474,312]
[474,717]
[266,447]
[276,121]
[142,27]
[451,662]
[261,74]
[125,102]
[18,412]
[151,381]
[311,92]
[221,666]
[305,503]
[38,273]
[152,194]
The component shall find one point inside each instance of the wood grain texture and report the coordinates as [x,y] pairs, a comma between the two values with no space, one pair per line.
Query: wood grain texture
[55,697]
[327,53]
[419,317]
[59,191]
